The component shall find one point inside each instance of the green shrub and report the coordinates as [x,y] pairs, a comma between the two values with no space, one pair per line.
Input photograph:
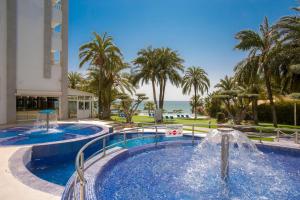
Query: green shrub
[284,110]
[220,117]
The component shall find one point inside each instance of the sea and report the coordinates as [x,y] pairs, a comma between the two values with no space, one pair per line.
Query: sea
[169,106]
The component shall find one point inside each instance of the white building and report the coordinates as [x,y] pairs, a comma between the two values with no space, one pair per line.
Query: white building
[81,104]
[33,58]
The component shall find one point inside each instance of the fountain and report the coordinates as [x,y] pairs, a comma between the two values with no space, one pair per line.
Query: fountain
[46,122]
[226,163]
[225,152]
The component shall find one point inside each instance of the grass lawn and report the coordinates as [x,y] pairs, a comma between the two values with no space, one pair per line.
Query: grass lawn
[147,119]
[269,125]
[266,127]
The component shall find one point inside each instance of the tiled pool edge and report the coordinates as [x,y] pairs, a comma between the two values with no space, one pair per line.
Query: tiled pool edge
[94,166]
[17,165]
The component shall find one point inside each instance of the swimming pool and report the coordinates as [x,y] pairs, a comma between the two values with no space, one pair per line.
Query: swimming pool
[59,172]
[169,172]
[27,135]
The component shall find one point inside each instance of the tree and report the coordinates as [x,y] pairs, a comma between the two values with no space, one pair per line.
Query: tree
[169,68]
[228,83]
[75,79]
[103,54]
[263,47]
[236,100]
[149,106]
[120,83]
[288,60]
[196,104]
[158,66]
[196,79]
[145,70]
[250,83]
[212,105]
[129,105]
[236,104]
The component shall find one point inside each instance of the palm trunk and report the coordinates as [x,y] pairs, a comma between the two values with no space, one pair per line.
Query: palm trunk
[99,101]
[254,111]
[154,93]
[270,95]
[99,105]
[195,106]
[160,94]
[163,95]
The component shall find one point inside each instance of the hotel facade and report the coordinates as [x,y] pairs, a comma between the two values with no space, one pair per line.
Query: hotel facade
[33,58]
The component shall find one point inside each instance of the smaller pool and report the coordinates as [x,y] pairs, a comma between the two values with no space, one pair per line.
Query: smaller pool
[60,172]
[22,135]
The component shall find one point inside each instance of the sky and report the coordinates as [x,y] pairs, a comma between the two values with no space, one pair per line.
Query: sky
[201,31]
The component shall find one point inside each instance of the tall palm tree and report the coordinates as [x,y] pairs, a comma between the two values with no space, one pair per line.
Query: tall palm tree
[74,78]
[195,78]
[262,46]
[102,53]
[145,69]
[226,84]
[169,68]
[158,66]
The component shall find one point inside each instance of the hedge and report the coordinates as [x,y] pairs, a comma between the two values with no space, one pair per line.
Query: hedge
[284,110]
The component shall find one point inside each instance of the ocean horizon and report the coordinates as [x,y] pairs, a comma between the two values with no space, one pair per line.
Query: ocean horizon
[172,105]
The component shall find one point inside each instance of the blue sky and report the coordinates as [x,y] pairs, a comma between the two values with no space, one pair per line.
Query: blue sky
[201,31]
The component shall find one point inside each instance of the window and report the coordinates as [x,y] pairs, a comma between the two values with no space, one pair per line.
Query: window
[80,97]
[87,105]
[81,105]
[55,57]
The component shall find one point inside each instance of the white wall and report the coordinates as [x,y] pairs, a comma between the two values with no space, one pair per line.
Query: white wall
[3,62]
[30,49]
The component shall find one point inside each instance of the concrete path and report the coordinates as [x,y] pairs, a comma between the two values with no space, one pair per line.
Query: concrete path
[13,189]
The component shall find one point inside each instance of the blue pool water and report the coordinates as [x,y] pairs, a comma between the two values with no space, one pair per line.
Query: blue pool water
[60,172]
[29,135]
[170,173]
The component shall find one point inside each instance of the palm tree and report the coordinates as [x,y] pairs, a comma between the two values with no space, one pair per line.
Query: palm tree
[149,106]
[196,103]
[195,78]
[249,81]
[263,47]
[118,81]
[75,78]
[169,68]
[289,58]
[145,70]
[102,53]
[226,84]
[158,66]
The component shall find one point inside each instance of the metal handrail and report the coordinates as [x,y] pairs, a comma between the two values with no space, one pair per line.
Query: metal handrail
[80,161]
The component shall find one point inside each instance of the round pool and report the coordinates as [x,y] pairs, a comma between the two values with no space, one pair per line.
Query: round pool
[181,171]
[24,135]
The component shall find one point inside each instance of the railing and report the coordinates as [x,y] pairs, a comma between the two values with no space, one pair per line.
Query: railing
[260,132]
